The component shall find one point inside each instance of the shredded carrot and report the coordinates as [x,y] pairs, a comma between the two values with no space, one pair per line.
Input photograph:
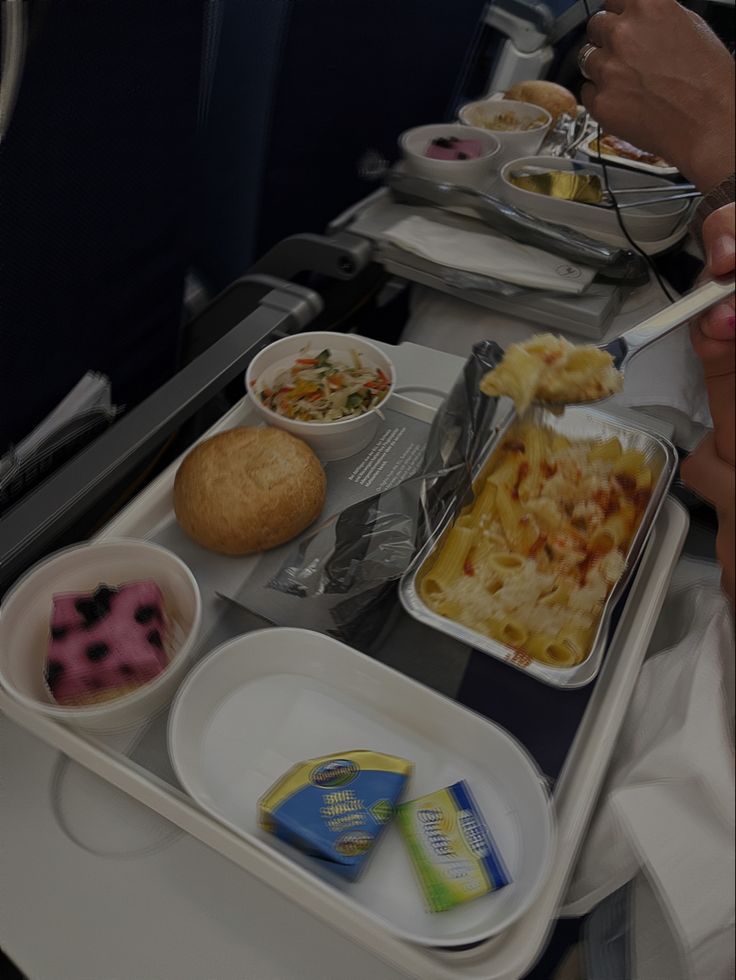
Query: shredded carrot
[299,392]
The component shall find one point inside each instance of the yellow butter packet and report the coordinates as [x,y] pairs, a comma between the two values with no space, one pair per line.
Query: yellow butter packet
[453,852]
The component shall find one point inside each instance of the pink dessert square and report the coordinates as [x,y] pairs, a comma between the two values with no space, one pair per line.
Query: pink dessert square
[105,643]
[454,148]
[471,148]
[435,152]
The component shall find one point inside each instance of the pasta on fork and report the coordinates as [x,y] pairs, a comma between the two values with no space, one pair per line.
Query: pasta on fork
[531,562]
[551,369]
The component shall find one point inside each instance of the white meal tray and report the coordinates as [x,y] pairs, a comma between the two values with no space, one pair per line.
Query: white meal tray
[507,956]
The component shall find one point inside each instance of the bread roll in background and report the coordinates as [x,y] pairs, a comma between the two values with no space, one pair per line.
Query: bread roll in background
[248,490]
[548,95]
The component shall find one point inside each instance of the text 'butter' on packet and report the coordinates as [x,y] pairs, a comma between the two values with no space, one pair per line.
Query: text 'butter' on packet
[451,848]
[335,808]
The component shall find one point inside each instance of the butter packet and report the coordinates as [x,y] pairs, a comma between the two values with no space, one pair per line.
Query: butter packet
[335,808]
[453,852]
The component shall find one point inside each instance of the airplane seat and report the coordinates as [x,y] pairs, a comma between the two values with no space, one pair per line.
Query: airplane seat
[96,177]
[524,39]
[301,90]
[114,184]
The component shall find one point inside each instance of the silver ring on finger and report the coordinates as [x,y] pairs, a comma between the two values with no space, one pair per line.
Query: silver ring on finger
[585,52]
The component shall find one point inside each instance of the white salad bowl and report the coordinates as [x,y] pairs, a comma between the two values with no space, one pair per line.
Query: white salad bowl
[330,440]
[513,142]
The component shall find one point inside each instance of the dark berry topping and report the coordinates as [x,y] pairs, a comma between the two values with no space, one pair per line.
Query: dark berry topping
[87,609]
[126,670]
[97,651]
[446,142]
[94,609]
[144,614]
[53,672]
[58,632]
[462,156]
[104,594]
[154,638]
[95,684]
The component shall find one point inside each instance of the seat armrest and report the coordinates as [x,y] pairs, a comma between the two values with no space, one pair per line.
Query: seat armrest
[28,530]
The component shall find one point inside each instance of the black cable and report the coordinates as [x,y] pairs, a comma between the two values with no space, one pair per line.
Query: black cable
[619,217]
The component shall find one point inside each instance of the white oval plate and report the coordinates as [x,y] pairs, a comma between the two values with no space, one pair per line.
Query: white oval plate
[265,701]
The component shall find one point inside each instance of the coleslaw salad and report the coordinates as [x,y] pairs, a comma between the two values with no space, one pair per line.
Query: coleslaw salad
[326,387]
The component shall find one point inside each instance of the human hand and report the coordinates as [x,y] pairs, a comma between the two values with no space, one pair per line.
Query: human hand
[713,335]
[661,79]
[714,480]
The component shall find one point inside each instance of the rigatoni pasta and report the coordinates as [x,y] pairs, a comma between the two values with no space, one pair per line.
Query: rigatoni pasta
[531,562]
[551,369]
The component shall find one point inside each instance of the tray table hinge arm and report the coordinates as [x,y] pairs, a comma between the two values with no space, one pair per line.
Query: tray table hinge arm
[28,529]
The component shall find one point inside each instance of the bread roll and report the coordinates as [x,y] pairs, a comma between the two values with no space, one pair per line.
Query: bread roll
[548,95]
[248,490]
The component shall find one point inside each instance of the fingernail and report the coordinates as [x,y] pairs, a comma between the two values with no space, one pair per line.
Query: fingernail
[722,252]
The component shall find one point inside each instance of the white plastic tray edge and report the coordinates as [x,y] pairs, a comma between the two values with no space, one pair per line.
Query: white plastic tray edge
[505,957]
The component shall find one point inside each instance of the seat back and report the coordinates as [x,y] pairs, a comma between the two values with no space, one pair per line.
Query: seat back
[302,89]
[96,178]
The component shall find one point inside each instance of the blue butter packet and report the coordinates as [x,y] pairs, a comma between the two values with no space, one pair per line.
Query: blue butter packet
[335,808]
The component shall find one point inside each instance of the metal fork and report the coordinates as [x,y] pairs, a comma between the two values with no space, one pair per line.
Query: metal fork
[567,134]
[655,327]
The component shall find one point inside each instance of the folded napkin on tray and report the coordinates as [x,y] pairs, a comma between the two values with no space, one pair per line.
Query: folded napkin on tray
[665,820]
[486,254]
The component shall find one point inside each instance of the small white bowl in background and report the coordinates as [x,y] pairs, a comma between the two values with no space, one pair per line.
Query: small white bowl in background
[25,616]
[414,143]
[330,440]
[513,143]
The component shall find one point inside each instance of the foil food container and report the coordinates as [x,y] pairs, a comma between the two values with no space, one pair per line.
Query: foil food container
[576,424]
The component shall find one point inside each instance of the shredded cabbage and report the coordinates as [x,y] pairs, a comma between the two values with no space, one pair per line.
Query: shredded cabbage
[320,388]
